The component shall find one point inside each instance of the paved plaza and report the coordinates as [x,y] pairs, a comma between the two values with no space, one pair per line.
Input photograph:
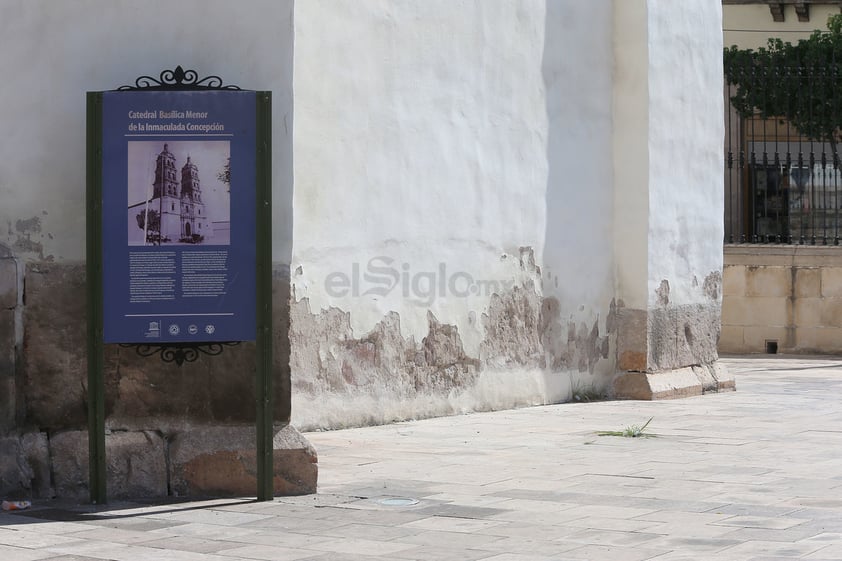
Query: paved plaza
[754,474]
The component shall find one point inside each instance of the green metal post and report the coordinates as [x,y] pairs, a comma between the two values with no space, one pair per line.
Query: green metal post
[96,378]
[263,386]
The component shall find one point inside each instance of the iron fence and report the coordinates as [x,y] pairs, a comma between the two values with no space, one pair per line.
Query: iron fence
[781,185]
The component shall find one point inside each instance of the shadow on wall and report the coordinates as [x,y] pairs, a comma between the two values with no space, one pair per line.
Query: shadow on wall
[578,273]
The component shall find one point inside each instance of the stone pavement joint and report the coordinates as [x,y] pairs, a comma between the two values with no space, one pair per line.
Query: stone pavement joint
[748,475]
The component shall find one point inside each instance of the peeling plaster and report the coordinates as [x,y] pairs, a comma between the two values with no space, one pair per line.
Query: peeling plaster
[525,340]
[523,329]
[29,226]
[712,286]
[21,237]
[326,357]
[663,293]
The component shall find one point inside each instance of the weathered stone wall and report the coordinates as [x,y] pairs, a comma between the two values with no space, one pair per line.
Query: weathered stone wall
[668,335]
[685,334]
[211,390]
[171,430]
[789,296]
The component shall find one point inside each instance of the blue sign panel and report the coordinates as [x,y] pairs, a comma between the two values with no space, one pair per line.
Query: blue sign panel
[178,208]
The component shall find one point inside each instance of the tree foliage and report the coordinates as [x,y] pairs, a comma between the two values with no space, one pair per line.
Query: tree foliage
[154,224]
[799,82]
[225,175]
[153,227]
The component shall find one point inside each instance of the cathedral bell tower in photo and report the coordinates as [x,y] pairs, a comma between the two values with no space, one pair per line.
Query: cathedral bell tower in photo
[165,197]
[194,219]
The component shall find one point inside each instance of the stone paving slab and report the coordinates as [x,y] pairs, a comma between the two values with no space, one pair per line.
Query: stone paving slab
[750,475]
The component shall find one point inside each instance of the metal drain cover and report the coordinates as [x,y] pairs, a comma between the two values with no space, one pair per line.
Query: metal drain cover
[398,501]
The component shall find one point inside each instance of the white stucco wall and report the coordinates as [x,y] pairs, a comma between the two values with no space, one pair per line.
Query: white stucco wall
[578,64]
[452,132]
[53,52]
[446,136]
[686,132]
[668,118]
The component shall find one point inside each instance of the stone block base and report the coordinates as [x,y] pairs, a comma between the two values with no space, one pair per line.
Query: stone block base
[672,384]
[25,466]
[221,461]
[198,461]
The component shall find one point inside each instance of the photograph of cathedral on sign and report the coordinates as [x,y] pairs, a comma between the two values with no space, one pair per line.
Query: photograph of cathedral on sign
[179,192]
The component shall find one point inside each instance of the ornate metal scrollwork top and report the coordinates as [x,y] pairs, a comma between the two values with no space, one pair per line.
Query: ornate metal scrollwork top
[178,79]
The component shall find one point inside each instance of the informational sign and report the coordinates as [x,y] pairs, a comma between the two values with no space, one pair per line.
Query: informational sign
[178,216]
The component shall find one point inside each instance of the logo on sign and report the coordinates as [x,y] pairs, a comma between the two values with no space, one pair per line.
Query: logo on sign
[154,329]
[174,329]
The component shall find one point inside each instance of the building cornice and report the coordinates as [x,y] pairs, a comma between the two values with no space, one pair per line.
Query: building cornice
[776,7]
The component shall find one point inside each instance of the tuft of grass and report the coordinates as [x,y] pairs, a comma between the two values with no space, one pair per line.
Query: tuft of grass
[632,431]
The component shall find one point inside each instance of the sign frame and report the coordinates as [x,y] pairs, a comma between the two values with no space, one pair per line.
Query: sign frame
[179,80]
